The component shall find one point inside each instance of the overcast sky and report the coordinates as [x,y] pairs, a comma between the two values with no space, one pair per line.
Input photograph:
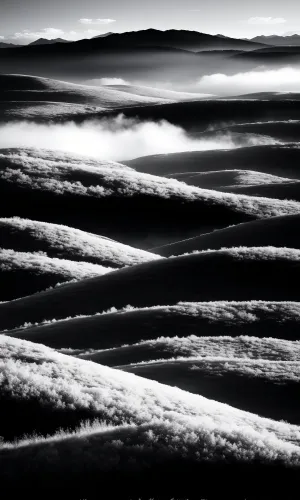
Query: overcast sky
[22,21]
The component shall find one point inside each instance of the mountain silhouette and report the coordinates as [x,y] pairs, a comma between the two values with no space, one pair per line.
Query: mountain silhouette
[277,40]
[151,38]
[104,35]
[4,45]
[45,41]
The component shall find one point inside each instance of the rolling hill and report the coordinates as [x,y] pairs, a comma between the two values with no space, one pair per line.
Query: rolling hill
[279,160]
[224,180]
[267,388]
[24,273]
[285,131]
[149,308]
[278,54]
[265,273]
[212,115]
[162,349]
[283,191]
[69,190]
[145,423]
[68,243]
[184,329]
[153,92]
[31,88]
[275,231]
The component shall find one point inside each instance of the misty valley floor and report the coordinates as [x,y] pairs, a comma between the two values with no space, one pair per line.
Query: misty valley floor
[150,268]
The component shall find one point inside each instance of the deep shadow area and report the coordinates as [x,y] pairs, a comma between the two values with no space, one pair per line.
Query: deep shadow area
[17,283]
[197,116]
[197,277]
[21,417]
[277,160]
[275,231]
[112,330]
[140,220]
[178,478]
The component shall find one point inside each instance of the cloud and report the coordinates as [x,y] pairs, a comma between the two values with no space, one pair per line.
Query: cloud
[259,80]
[49,33]
[116,139]
[291,33]
[266,20]
[96,21]
[1,37]
[90,33]
[27,36]
[109,81]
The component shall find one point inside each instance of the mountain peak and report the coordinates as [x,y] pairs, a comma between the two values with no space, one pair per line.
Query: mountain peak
[104,35]
[45,41]
[279,40]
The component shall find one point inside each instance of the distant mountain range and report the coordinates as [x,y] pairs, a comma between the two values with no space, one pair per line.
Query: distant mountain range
[277,40]
[45,41]
[175,39]
[4,45]
[104,35]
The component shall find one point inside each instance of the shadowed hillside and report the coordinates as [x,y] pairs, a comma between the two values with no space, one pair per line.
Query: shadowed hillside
[172,429]
[107,335]
[274,160]
[276,231]
[265,273]
[68,189]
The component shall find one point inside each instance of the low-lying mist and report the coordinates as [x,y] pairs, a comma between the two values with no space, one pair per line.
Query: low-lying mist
[118,138]
[259,79]
[285,79]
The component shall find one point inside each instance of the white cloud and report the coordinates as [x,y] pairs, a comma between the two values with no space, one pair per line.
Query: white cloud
[291,33]
[110,81]
[1,37]
[90,33]
[96,21]
[117,139]
[285,79]
[266,20]
[27,36]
